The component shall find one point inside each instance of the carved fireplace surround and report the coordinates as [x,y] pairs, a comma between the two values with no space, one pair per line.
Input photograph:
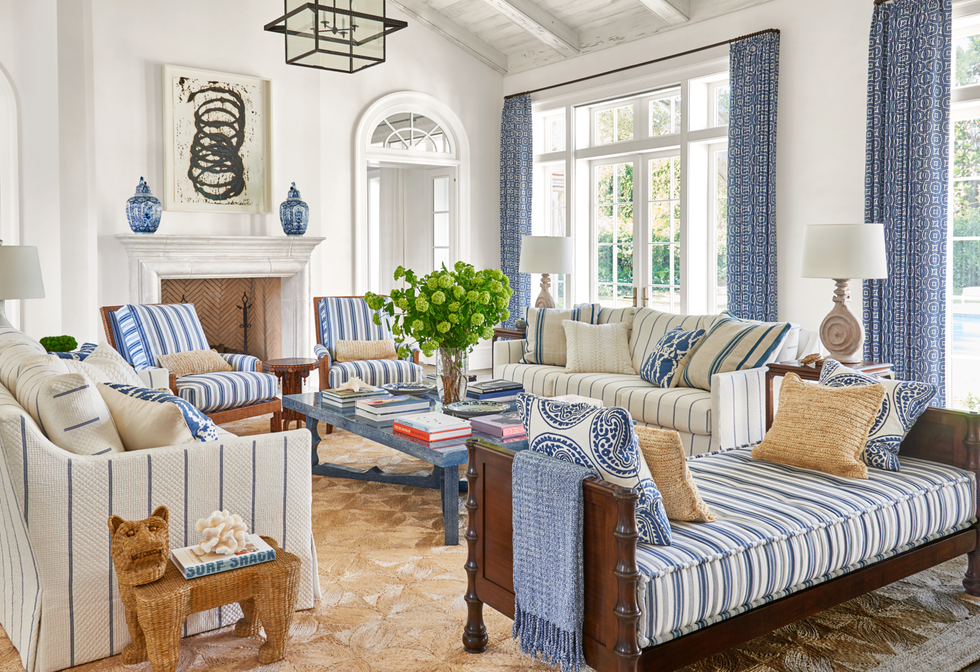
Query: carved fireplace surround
[154,257]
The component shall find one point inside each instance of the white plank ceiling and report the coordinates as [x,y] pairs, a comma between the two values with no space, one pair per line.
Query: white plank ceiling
[516,35]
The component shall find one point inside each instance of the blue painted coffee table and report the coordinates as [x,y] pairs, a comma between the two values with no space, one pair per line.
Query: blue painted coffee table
[444,456]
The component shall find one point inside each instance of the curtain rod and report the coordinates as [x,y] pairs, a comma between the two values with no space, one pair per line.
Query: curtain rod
[638,65]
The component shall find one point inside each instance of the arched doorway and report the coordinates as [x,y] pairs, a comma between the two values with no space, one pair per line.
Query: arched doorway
[411,195]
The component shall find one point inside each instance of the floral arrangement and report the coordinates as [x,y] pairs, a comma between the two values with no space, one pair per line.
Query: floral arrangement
[448,311]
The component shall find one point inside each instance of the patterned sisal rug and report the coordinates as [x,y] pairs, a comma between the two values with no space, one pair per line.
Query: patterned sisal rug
[393,600]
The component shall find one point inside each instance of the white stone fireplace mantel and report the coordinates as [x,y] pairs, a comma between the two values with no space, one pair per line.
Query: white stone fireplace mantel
[153,258]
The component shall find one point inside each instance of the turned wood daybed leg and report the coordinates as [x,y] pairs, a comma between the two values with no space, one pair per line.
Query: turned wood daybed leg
[475,632]
[627,610]
[971,582]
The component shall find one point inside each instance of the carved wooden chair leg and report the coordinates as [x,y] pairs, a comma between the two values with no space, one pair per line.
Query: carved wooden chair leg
[627,577]
[475,632]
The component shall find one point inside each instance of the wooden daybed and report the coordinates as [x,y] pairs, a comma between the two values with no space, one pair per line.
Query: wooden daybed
[612,610]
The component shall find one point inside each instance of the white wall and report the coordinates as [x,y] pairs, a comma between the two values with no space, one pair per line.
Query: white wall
[821,119]
[99,85]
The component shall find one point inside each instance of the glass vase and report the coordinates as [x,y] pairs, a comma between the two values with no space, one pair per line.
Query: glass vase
[452,373]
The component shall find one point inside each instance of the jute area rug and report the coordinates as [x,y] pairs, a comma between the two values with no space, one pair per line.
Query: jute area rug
[393,600]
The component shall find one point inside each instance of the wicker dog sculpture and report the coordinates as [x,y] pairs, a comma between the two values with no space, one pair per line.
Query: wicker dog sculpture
[158,599]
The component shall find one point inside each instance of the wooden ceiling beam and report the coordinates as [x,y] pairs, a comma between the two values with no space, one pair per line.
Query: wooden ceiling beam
[539,23]
[452,31]
[674,12]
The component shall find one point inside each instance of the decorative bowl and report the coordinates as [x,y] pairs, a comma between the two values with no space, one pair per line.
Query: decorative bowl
[415,389]
[471,409]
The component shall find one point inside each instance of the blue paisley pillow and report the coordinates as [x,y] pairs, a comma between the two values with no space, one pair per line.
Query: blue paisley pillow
[669,356]
[602,439]
[905,401]
[201,426]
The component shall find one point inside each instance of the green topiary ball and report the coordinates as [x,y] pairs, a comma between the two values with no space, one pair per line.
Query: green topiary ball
[59,343]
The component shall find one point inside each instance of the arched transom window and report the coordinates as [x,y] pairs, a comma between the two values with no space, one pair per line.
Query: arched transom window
[411,131]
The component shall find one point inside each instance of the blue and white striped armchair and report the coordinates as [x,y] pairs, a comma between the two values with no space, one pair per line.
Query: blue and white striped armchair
[141,333]
[348,318]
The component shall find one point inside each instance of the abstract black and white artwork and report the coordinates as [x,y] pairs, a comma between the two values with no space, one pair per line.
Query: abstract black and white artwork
[216,141]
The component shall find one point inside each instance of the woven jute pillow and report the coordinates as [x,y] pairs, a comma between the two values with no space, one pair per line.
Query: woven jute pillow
[821,428]
[193,362]
[664,455]
[356,351]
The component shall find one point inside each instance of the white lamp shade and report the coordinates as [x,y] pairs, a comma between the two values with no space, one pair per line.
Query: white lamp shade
[20,273]
[546,254]
[844,251]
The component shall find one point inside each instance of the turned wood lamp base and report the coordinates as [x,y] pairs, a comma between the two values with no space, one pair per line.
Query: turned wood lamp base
[545,299]
[840,331]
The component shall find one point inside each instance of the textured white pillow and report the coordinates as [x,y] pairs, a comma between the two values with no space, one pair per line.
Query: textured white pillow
[31,376]
[75,417]
[105,365]
[598,348]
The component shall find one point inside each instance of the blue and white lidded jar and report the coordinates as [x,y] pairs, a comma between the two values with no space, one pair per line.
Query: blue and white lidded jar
[143,210]
[294,213]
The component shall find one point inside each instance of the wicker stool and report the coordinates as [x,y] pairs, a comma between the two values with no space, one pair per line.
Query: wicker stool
[266,593]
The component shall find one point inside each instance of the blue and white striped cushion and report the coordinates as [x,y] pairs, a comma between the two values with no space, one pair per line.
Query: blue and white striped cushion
[650,325]
[781,529]
[170,328]
[732,344]
[241,362]
[342,319]
[211,392]
[130,339]
[200,425]
[546,335]
[376,372]
[536,378]
[685,409]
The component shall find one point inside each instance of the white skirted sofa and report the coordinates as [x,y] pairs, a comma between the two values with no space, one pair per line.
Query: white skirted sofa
[60,601]
[731,414]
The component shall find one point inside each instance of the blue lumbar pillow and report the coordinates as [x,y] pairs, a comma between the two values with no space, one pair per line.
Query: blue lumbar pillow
[668,357]
[904,402]
[602,439]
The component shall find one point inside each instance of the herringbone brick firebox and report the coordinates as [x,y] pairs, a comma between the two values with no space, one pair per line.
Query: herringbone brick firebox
[218,302]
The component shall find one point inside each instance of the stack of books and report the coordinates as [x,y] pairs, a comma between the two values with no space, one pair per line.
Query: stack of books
[347,398]
[193,564]
[432,427]
[384,410]
[497,389]
[507,426]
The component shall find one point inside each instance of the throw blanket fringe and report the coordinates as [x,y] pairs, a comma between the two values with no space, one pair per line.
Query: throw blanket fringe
[548,581]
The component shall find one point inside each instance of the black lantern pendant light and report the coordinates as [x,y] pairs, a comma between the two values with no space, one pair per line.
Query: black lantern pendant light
[341,35]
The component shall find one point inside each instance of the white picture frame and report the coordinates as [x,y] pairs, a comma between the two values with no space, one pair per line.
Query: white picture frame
[217,138]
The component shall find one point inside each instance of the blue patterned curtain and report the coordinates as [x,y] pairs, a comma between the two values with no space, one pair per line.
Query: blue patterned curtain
[754,80]
[516,162]
[906,186]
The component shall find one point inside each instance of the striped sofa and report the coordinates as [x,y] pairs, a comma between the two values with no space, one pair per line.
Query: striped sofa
[731,414]
[60,602]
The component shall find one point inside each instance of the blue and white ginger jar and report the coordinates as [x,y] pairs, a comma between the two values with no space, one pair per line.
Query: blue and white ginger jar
[143,210]
[294,213]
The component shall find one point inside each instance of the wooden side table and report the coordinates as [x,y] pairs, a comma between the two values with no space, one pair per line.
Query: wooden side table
[813,373]
[291,371]
[507,335]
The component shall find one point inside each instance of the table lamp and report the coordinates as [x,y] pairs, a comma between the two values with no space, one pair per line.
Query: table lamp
[20,276]
[546,255]
[843,252]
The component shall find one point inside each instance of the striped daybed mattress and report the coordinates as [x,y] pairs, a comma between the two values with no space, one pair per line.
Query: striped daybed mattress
[781,529]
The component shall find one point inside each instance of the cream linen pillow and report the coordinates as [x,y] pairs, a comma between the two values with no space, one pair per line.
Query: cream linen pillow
[193,362]
[356,351]
[598,348]
[151,418]
[75,417]
[821,428]
[664,455]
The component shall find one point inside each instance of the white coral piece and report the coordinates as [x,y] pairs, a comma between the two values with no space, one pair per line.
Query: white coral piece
[223,532]
[355,384]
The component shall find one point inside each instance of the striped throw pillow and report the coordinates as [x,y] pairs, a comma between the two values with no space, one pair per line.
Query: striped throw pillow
[75,417]
[732,344]
[546,336]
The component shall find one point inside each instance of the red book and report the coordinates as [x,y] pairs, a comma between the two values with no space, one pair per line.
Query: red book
[431,437]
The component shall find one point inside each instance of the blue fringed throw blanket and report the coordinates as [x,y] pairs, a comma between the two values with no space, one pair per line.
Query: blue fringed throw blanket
[548,581]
